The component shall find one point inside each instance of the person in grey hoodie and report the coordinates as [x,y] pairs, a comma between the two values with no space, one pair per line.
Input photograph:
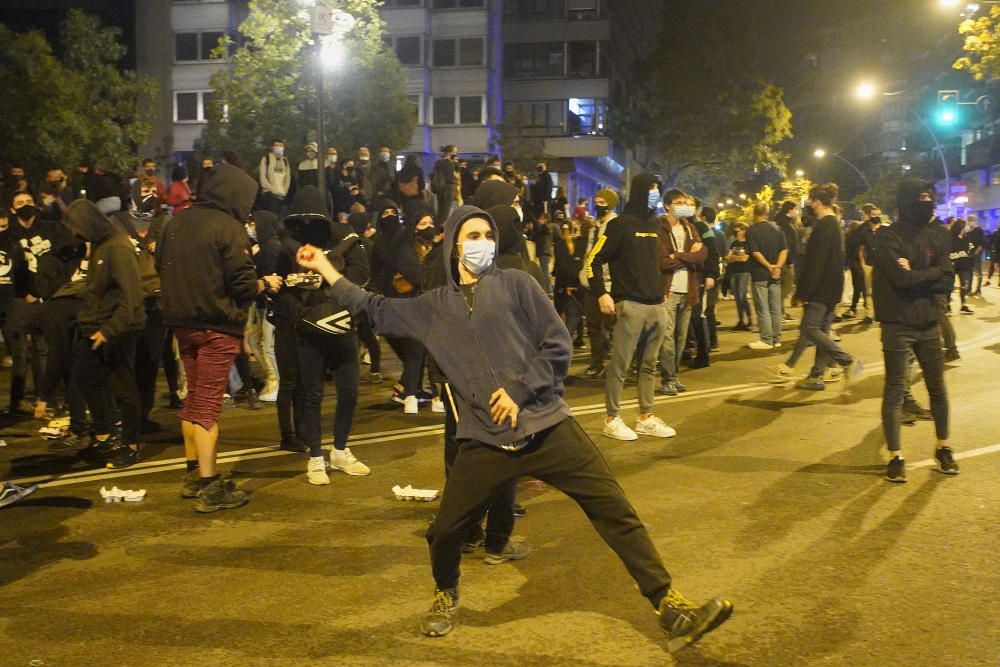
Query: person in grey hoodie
[507,390]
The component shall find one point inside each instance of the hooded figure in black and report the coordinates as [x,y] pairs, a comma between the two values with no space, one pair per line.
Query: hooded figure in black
[143,221]
[912,271]
[325,338]
[109,322]
[507,378]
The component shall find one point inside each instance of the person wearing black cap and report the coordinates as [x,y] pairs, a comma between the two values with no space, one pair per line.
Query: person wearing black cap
[912,267]
[507,385]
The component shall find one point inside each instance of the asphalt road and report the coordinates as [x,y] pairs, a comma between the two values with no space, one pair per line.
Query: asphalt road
[772,496]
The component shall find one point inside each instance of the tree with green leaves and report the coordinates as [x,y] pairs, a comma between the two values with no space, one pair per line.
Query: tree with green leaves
[700,109]
[81,106]
[269,91]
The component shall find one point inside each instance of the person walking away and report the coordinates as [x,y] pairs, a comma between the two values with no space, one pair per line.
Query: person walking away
[769,252]
[512,419]
[912,267]
[209,282]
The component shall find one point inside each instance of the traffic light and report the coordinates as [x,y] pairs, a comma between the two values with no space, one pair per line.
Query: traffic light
[947,111]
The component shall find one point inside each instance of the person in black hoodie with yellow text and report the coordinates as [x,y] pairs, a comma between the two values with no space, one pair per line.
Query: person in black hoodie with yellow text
[912,269]
[109,323]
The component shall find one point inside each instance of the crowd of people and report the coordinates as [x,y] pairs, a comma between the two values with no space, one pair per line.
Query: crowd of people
[261,290]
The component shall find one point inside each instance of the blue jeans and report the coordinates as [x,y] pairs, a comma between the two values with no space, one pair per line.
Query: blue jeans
[767,303]
[678,317]
[740,283]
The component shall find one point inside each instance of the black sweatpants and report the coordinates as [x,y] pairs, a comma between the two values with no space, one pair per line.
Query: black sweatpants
[563,457]
[286,354]
[148,354]
[105,373]
[317,353]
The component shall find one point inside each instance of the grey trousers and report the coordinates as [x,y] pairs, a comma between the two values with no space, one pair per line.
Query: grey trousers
[637,325]
[678,318]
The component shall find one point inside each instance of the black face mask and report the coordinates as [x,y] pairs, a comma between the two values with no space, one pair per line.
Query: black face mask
[149,204]
[427,234]
[150,172]
[26,212]
[601,210]
[875,220]
[206,169]
[389,221]
[922,211]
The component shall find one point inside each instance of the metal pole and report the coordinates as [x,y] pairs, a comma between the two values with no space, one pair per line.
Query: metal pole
[852,166]
[320,133]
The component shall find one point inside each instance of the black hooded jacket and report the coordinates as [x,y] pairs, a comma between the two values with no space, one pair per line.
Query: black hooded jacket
[494,193]
[113,302]
[630,246]
[510,243]
[208,277]
[909,296]
[308,222]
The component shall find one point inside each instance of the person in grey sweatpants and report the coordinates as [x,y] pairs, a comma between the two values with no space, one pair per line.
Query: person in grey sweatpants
[639,326]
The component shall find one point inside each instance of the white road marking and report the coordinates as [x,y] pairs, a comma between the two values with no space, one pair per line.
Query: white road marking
[979,451]
[381,437]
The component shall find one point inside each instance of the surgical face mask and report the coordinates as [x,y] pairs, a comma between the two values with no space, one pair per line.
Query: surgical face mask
[26,212]
[684,211]
[653,199]
[477,256]
[384,157]
[331,159]
[278,151]
[427,233]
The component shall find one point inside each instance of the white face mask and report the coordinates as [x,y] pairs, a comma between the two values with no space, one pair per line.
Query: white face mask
[477,256]
[684,210]
[331,159]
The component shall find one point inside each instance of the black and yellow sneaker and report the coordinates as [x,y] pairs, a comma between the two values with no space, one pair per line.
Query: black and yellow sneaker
[437,622]
[123,456]
[685,624]
[946,461]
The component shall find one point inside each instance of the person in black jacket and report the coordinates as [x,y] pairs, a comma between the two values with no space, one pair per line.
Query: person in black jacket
[631,246]
[209,282]
[325,335]
[962,257]
[699,328]
[912,267]
[820,286]
[109,324]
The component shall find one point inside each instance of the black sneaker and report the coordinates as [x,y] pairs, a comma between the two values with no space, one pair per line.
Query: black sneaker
[867,320]
[98,451]
[253,401]
[917,411]
[174,402]
[149,426]
[967,311]
[293,445]
[437,622]
[951,355]
[519,511]
[946,462]
[123,456]
[219,496]
[896,470]
[474,539]
[685,624]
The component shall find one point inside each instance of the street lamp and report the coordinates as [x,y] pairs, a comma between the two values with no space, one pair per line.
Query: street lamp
[865,90]
[743,196]
[729,202]
[799,173]
[820,153]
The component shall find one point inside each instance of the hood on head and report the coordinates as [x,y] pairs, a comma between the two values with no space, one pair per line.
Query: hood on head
[413,211]
[908,194]
[229,189]
[308,220]
[638,194]
[358,222]
[385,228]
[510,240]
[266,224]
[86,221]
[451,227]
[494,193]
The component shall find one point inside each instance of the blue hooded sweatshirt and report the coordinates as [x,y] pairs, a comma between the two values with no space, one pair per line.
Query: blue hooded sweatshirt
[511,338]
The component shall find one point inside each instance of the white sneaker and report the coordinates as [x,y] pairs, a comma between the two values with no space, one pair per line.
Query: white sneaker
[269,394]
[344,461]
[760,345]
[654,426]
[316,472]
[437,405]
[833,375]
[366,359]
[410,405]
[617,429]
[781,372]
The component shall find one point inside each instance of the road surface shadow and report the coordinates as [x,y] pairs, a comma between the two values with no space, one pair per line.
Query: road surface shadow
[31,540]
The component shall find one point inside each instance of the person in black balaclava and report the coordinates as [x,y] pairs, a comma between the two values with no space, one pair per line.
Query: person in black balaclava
[912,267]
[325,338]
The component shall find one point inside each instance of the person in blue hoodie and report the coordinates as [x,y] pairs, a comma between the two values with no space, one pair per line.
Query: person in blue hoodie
[506,381]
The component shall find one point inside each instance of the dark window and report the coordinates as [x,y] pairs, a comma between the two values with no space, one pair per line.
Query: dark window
[444,110]
[209,42]
[408,50]
[185,46]
[535,61]
[582,59]
[186,106]
[470,110]
[206,104]
[402,3]
[470,51]
[444,53]
[457,4]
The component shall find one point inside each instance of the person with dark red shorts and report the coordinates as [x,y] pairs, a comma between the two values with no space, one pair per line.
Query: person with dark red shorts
[208,284]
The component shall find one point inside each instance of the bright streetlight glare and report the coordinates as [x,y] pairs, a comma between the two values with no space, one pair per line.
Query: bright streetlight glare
[331,54]
[743,196]
[819,153]
[799,173]
[729,202]
[865,91]
[948,4]
[947,116]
